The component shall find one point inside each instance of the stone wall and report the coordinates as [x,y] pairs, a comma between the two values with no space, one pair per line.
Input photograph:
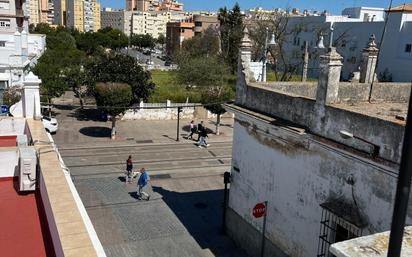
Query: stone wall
[348,91]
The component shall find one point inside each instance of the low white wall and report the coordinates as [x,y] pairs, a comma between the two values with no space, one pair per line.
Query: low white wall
[158,114]
[8,162]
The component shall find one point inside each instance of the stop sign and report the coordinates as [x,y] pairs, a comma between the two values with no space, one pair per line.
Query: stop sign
[259,210]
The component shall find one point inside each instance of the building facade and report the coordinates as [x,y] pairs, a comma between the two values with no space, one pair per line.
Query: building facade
[83,15]
[319,154]
[18,50]
[176,33]
[41,11]
[154,5]
[112,18]
[205,21]
[351,32]
[152,23]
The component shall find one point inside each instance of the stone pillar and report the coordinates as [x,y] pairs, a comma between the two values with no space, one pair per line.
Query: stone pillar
[369,59]
[329,77]
[244,73]
[31,97]
[17,44]
[305,62]
[24,43]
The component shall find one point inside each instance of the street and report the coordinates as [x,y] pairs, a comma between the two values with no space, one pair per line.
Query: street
[184,214]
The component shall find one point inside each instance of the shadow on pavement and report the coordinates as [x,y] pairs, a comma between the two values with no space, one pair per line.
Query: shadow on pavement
[88,115]
[201,214]
[96,131]
[187,129]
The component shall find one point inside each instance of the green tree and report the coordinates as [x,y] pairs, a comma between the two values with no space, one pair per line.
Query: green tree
[120,68]
[210,75]
[114,99]
[231,33]
[161,39]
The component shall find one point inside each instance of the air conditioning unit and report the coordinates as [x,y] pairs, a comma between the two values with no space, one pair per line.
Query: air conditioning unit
[28,164]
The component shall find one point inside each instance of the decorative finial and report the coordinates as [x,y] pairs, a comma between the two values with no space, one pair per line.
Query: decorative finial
[372,39]
[246,43]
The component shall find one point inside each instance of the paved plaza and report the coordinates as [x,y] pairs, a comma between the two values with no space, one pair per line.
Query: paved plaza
[184,214]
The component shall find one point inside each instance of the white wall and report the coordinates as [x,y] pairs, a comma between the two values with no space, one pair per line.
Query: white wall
[356,35]
[8,162]
[296,174]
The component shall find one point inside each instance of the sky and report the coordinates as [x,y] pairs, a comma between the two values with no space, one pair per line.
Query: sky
[332,6]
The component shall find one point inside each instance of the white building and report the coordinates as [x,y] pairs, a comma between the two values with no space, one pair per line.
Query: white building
[18,50]
[152,23]
[322,156]
[351,33]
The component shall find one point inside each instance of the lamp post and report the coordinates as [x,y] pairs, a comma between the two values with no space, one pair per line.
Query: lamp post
[267,45]
[332,28]
[347,135]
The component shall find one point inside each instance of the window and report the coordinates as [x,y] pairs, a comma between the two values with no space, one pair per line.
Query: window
[340,221]
[408,48]
[2,43]
[5,23]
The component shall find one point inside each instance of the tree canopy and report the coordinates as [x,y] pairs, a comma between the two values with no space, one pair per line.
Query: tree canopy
[114,67]
[143,41]
[114,99]
[231,33]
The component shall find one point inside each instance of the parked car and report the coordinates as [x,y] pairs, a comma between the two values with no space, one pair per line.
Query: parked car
[149,62]
[50,124]
[168,63]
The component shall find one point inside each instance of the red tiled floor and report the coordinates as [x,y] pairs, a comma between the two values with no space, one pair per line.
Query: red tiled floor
[20,228]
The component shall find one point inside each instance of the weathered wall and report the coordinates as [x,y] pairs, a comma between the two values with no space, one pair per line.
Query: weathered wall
[295,174]
[328,121]
[348,92]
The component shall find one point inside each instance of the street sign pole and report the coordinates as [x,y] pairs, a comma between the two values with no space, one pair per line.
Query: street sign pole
[179,110]
[262,253]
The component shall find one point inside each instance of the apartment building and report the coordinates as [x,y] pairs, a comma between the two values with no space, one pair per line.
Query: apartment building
[84,15]
[112,18]
[205,21]
[152,23]
[177,32]
[154,5]
[41,11]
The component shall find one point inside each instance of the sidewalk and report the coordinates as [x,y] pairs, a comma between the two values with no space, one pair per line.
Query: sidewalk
[80,130]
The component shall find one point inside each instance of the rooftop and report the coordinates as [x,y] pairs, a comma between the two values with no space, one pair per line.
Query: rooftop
[12,126]
[372,246]
[21,222]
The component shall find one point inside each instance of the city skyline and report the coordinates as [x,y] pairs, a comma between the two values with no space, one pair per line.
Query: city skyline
[334,7]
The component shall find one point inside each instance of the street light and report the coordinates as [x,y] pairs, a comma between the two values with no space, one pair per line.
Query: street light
[272,43]
[347,135]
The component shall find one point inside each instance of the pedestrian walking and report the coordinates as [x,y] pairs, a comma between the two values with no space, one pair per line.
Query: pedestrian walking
[199,128]
[192,129]
[129,170]
[202,140]
[142,182]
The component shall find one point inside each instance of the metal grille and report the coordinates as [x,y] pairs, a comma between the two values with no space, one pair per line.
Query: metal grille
[334,229]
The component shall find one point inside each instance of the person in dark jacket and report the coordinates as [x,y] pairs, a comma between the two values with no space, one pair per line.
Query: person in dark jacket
[199,128]
[202,140]
[129,170]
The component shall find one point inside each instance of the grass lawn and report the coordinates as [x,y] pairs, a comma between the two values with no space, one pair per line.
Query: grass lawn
[168,88]
[271,77]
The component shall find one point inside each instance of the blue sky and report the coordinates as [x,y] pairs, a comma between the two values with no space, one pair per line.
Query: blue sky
[333,6]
